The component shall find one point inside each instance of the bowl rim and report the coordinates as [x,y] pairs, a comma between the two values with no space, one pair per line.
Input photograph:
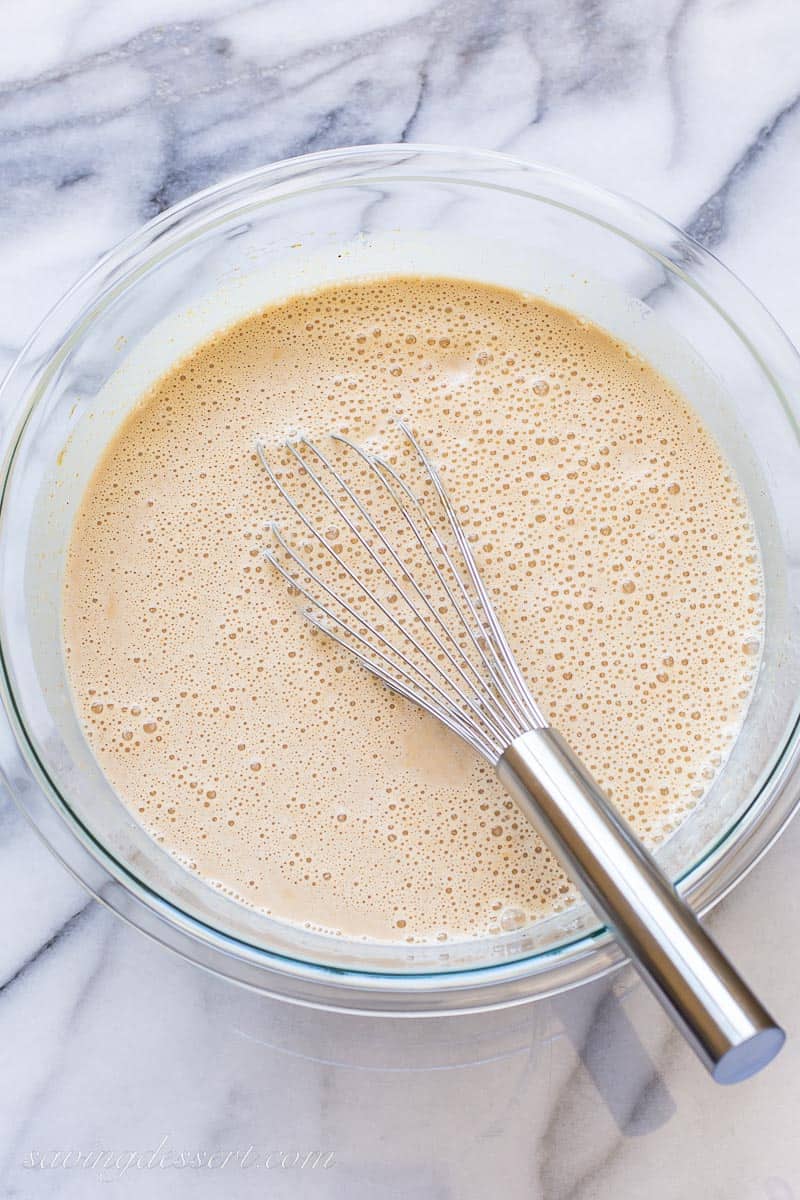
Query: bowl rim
[572,961]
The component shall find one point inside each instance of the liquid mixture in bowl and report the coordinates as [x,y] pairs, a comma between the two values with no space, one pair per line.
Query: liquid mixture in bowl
[618,546]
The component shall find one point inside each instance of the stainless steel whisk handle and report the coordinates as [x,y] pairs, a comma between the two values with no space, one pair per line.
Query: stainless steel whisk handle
[724,1022]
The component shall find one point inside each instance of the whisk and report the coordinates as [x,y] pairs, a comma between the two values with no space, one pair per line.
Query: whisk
[395,582]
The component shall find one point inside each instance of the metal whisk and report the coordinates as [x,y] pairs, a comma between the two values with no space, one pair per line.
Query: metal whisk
[390,575]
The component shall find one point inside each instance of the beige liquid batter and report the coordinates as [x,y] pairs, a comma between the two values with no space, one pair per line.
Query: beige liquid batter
[620,547]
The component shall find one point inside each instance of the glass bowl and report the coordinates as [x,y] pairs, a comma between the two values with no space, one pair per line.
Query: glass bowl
[347,214]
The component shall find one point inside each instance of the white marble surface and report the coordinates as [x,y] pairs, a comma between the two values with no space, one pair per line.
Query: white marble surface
[109,113]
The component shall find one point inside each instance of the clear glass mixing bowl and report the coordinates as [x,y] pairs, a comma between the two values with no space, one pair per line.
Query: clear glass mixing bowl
[344,214]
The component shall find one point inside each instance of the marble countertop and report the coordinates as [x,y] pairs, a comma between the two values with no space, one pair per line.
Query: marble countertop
[109,114]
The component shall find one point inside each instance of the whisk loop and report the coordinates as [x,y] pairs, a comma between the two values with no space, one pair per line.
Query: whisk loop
[460,669]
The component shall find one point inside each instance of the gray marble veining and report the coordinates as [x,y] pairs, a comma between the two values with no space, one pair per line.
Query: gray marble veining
[108,114]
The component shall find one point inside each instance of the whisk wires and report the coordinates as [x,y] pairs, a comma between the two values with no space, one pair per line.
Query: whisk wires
[389,573]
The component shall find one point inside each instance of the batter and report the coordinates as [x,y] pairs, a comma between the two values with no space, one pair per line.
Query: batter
[622,552]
